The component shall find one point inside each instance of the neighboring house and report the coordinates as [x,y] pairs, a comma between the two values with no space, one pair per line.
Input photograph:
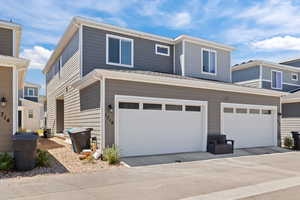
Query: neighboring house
[149,94]
[31,107]
[291,105]
[268,75]
[12,73]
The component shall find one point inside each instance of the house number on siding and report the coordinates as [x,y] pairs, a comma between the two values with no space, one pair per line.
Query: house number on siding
[4,117]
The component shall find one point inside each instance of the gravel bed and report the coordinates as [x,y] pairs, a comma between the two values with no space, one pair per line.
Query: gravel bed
[63,160]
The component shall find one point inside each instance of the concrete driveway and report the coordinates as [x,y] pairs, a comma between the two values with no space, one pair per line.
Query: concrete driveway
[197,156]
[268,176]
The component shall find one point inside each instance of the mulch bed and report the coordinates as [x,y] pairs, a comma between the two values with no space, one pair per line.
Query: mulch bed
[63,160]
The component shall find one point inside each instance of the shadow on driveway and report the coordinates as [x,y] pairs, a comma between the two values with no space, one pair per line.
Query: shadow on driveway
[197,156]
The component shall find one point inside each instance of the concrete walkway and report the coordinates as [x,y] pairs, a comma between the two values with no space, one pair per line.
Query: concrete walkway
[249,177]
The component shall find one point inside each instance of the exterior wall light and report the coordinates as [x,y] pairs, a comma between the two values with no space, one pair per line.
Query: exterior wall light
[3,101]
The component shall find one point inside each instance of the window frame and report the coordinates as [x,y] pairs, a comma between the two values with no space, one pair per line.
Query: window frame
[209,54]
[27,92]
[281,86]
[162,46]
[297,77]
[30,112]
[120,51]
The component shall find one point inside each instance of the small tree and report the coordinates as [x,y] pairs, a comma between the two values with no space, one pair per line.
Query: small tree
[288,142]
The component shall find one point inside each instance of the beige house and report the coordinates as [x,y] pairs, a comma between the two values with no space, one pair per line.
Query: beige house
[12,73]
[31,108]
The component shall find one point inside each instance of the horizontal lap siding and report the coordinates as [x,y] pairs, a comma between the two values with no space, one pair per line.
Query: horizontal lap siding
[6,42]
[288,125]
[6,128]
[214,98]
[59,86]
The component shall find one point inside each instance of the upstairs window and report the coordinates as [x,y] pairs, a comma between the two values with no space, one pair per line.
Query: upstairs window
[30,92]
[276,80]
[119,51]
[294,77]
[209,61]
[162,50]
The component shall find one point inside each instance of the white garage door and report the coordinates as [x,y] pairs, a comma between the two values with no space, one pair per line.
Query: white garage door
[249,125]
[149,126]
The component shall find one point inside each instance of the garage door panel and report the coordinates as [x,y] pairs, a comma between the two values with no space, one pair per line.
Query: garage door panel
[250,130]
[150,132]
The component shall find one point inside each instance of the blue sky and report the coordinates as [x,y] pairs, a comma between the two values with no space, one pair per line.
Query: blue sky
[259,29]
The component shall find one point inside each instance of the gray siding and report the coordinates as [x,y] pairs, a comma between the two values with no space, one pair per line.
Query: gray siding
[59,87]
[287,75]
[291,110]
[71,48]
[295,63]
[214,98]
[94,53]
[251,73]
[193,63]
[6,42]
[285,87]
[178,53]
[90,97]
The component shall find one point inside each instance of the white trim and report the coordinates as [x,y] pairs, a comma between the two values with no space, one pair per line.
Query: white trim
[103,111]
[252,106]
[255,63]
[27,92]
[14,43]
[297,77]
[80,50]
[15,100]
[260,75]
[139,99]
[78,21]
[183,59]
[280,72]
[209,54]
[249,81]
[200,41]
[283,83]
[97,74]
[162,46]
[290,100]
[120,53]
[174,54]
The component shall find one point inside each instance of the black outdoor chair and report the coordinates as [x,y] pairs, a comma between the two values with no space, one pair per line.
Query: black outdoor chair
[218,144]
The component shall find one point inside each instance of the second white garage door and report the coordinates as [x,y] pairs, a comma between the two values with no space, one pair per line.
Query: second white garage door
[249,125]
[149,126]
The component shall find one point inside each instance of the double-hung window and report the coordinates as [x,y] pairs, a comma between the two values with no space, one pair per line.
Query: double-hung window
[119,51]
[30,92]
[276,79]
[209,61]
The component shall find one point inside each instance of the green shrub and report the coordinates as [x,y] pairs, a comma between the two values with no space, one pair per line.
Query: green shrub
[288,142]
[112,155]
[42,158]
[6,162]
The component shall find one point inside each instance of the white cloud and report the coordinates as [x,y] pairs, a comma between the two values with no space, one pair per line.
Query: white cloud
[279,43]
[38,56]
[180,20]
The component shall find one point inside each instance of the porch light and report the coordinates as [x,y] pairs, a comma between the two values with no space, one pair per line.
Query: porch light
[3,102]
[110,108]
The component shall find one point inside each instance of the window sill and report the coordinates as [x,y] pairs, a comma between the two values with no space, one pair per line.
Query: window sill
[121,65]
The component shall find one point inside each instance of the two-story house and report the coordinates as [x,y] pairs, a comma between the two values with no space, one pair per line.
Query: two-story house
[12,72]
[149,94]
[268,75]
[31,108]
